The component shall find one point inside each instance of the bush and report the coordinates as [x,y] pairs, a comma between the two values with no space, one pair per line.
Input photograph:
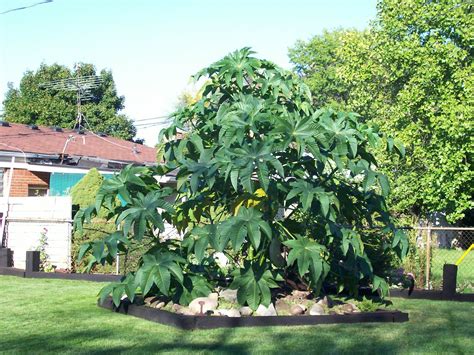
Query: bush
[83,195]
[257,154]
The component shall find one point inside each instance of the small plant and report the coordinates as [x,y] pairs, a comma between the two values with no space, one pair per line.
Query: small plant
[367,305]
[45,264]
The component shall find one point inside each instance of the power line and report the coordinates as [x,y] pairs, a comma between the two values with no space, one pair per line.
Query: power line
[152,118]
[26,7]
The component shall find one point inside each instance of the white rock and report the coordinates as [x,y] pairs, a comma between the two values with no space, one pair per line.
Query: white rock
[204,304]
[296,310]
[229,295]
[246,311]
[266,311]
[220,259]
[229,312]
[160,305]
[316,310]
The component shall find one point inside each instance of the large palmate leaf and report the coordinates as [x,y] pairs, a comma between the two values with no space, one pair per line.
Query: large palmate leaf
[248,223]
[307,192]
[193,286]
[104,250]
[120,184]
[248,158]
[200,238]
[309,256]
[159,268]
[143,210]
[253,284]
[126,287]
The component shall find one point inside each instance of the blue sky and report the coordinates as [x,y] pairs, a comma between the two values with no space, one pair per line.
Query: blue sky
[153,47]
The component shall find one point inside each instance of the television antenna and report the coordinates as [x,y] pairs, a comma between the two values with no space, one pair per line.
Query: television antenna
[82,85]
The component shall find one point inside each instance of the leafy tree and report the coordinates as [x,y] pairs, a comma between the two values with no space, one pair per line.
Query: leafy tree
[257,157]
[33,104]
[411,74]
[317,61]
[85,191]
[83,194]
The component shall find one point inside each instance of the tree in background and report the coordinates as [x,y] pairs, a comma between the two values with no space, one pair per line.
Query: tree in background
[411,74]
[83,194]
[32,104]
[316,61]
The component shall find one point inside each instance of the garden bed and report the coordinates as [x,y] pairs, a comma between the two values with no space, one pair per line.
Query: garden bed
[190,322]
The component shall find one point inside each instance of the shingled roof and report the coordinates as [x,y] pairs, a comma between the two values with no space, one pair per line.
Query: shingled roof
[45,140]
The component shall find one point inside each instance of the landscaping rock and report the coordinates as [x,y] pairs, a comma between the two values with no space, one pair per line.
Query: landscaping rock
[316,310]
[282,307]
[246,311]
[158,305]
[229,312]
[348,308]
[201,305]
[176,307]
[266,311]
[150,300]
[229,295]
[296,310]
[300,294]
[326,301]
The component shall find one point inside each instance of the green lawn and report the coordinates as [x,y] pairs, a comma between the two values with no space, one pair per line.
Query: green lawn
[61,316]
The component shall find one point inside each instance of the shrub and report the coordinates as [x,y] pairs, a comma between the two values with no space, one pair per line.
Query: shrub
[255,156]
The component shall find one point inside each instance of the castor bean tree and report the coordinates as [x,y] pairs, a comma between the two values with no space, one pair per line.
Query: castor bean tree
[289,193]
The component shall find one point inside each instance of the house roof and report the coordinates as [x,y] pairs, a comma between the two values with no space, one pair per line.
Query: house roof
[44,140]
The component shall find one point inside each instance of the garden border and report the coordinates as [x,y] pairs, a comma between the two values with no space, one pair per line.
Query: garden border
[189,322]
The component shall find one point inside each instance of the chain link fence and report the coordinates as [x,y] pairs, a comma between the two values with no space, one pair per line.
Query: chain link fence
[436,246]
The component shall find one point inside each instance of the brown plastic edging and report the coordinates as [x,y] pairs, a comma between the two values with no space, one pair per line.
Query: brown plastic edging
[211,322]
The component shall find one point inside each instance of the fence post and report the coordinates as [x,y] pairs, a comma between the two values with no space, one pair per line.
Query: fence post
[6,257]
[449,280]
[32,261]
[428,257]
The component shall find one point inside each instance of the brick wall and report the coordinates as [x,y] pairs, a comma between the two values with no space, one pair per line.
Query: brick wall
[22,178]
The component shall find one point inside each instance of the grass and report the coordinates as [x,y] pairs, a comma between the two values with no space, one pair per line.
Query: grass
[61,316]
[465,277]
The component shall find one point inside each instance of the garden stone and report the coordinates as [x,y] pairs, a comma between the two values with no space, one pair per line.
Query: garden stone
[246,311]
[158,305]
[348,308]
[326,301]
[300,294]
[316,310]
[282,307]
[229,295]
[229,312]
[296,310]
[354,308]
[266,311]
[176,307]
[201,305]
[150,300]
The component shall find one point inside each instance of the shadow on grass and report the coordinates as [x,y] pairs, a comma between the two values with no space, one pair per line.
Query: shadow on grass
[367,338]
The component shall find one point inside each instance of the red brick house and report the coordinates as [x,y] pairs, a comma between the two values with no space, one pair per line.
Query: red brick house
[46,159]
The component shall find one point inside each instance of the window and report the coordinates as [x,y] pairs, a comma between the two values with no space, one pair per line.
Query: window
[34,190]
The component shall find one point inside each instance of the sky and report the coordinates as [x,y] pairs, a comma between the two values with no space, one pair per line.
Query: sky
[153,47]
